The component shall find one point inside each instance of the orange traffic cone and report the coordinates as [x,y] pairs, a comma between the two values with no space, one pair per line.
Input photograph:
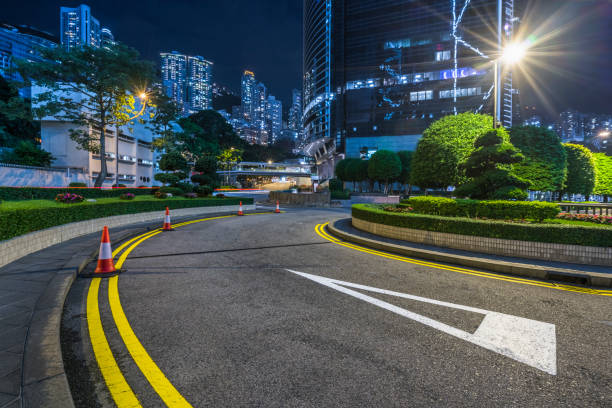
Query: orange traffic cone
[105,257]
[277,211]
[167,224]
[240,209]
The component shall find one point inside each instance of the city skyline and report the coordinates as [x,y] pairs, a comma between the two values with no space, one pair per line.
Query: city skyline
[574,34]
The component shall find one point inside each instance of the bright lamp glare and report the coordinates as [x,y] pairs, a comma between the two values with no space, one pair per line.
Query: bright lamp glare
[514,53]
[143,95]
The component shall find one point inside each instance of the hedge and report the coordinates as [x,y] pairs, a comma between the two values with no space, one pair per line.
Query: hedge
[43,193]
[551,233]
[18,222]
[534,210]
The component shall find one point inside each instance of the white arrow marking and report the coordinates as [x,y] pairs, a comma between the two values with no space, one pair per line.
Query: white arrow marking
[528,341]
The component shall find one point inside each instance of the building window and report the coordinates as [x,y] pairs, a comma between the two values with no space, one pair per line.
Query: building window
[443,55]
[421,96]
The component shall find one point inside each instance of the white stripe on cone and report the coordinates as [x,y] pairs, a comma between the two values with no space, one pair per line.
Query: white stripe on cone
[105,251]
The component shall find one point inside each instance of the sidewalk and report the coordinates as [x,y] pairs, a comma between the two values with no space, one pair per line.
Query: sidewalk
[556,271]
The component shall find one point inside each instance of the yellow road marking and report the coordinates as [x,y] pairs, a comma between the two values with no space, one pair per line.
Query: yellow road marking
[151,371]
[120,390]
[319,229]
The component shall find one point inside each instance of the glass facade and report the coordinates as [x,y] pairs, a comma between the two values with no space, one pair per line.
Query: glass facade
[78,27]
[187,80]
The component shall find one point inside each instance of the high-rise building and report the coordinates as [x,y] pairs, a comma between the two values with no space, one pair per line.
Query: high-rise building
[21,42]
[274,118]
[376,74]
[78,27]
[534,120]
[570,126]
[247,94]
[294,122]
[260,96]
[187,80]
[107,39]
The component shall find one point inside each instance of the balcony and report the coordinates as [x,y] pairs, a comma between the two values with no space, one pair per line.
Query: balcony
[127,177]
[127,138]
[109,156]
[109,176]
[127,159]
[146,144]
[143,162]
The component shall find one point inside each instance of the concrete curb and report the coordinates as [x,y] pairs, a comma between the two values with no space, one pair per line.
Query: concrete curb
[521,269]
[44,381]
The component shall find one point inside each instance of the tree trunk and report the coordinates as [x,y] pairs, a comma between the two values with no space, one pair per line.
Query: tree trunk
[387,186]
[605,199]
[103,171]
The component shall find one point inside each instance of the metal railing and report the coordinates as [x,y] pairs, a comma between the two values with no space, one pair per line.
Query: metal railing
[587,208]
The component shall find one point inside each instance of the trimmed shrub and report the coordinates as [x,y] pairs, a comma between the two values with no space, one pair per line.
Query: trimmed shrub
[203,191]
[22,221]
[161,194]
[336,185]
[42,193]
[340,195]
[77,184]
[551,233]
[190,195]
[186,187]
[69,198]
[534,210]
[127,196]
[175,191]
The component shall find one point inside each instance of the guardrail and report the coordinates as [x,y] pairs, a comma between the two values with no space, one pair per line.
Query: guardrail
[587,208]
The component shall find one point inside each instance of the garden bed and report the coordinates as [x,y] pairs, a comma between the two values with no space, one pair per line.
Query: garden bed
[523,231]
[22,217]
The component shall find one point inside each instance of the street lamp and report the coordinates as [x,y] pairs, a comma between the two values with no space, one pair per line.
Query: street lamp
[512,54]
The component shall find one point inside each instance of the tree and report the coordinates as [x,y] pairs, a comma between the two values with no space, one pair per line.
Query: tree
[341,170]
[404,177]
[92,88]
[384,165]
[16,121]
[545,164]
[163,122]
[28,154]
[354,171]
[490,169]
[175,166]
[227,159]
[603,175]
[206,166]
[444,145]
[580,170]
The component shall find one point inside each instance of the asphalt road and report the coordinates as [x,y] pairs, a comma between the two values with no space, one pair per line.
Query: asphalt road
[217,308]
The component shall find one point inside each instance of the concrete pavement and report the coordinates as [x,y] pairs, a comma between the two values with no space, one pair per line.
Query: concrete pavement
[218,310]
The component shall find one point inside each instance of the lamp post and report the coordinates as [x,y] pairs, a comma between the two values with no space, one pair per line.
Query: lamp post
[511,55]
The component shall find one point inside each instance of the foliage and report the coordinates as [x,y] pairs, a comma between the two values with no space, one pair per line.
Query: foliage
[168,178]
[69,198]
[533,210]
[185,187]
[16,121]
[206,164]
[341,170]
[203,190]
[14,222]
[43,193]
[384,165]
[603,174]
[580,170]
[545,164]
[163,122]
[28,154]
[127,196]
[406,157]
[190,195]
[444,145]
[594,218]
[161,194]
[336,185]
[340,195]
[77,184]
[175,191]
[489,168]
[552,233]
[91,88]
[173,161]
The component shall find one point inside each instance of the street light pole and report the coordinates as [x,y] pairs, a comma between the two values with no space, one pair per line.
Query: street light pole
[495,94]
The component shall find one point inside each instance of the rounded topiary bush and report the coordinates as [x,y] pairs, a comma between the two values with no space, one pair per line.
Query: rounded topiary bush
[203,191]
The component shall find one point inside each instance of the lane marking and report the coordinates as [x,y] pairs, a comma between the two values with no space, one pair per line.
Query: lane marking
[320,230]
[527,341]
[164,388]
[119,389]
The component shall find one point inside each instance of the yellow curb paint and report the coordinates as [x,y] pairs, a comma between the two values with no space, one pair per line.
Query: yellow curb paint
[119,389]
[319,229]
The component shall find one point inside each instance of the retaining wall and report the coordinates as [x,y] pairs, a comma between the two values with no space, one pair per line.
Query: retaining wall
[301,199]
[15,248]
[577,254]
[26,176]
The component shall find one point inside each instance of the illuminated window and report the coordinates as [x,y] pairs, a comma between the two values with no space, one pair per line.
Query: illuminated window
[421,96]
[442,55]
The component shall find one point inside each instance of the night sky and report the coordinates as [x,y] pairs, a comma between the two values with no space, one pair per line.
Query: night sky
[570,65]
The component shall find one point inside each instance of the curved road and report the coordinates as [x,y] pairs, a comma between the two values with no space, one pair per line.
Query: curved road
[237,312]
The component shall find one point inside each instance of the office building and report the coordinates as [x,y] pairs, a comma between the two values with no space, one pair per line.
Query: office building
[78,27]
[294,122]
[247,95]
[274,118]
[21,42]
[376,74]
[187,80]
[534,120]
[107,39]
[570,126]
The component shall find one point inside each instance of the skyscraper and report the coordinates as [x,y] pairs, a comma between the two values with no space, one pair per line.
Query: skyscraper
[187,80]
[376,74]
[78,27]
[247,94]
[107,39]
[274,118]
[260,95]
[294,121]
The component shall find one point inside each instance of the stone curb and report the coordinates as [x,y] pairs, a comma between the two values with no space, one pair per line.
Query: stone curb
[44,380]
[521,269]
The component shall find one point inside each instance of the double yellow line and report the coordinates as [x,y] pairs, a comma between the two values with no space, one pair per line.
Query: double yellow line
[120,390]
[320,230]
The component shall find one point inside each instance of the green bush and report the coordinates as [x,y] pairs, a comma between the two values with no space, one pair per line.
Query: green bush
[19,222]
[175,191]
[340,195]
[448,207]
[127,196]
[77,184]
[41,193]
[203,191]
[336,185]
[552,233]
[186,187]
[161,195]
